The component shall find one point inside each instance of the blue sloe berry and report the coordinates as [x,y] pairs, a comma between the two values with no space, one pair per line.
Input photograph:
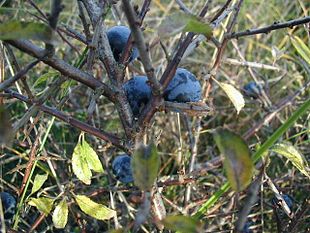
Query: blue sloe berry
[121,166]
[252,89]
[138,93]
[184,87]
[8,205]
[246,228]
[118,37]
[287,198]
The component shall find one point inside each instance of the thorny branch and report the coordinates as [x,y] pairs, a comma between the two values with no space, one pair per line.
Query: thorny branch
[140,43]
[108,137]
[267,29]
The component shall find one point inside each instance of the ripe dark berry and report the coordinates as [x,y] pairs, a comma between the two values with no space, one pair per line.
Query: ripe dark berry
[118,37]
[246,228]
[121,166]
[138,93]
[8,205]
[252,89]
[184,87]
[287,198]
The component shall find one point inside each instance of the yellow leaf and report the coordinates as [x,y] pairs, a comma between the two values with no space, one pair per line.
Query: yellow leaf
[93,209]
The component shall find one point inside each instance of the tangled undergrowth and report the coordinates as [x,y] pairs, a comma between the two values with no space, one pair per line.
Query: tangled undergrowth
[65,116]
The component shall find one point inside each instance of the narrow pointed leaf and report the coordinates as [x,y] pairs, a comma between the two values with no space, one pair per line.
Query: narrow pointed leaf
[234,95]
[43,204]
[94,209]
[292,154]
[182,224]
[38,182]
[237,161]
[60,215]
[302,49]
[43,78]
[14,29]
[145,165]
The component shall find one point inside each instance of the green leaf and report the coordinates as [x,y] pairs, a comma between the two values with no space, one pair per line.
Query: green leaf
[14,29]
[302,49]
[257,155]
[84,160]
[60,215]
[79,165]
[92,158]
[183,224]
[195,25]
[95,210]
[5,127]
[38,182]
[43,204]
[237,161]
[234,95]
[178,22]
[43,78]
[287,150]
[145,165]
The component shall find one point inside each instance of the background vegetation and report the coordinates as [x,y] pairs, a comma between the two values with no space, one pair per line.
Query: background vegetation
[191,167]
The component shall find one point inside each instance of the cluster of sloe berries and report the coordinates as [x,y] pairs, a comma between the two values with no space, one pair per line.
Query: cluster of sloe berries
[184,87]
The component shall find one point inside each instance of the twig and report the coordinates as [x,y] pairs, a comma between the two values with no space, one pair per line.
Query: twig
[267,29]
[283,103]
[93,48]
[192,109]
[17,68]
[149,111]
[84,21]
[45,19]
[116,141]
[113,70]
[232,61]
[140,43]
[32,157]
[56,8]
[129,45]
[252,196]
[224,42]
[37,222]
[219,13]
[278,195]
[8,82]
[213,72]
[183,7]
[74,34]
[297,220]
[51,90]
[63,67]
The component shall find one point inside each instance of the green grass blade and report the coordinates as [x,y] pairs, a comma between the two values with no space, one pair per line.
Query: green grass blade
[257,155]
